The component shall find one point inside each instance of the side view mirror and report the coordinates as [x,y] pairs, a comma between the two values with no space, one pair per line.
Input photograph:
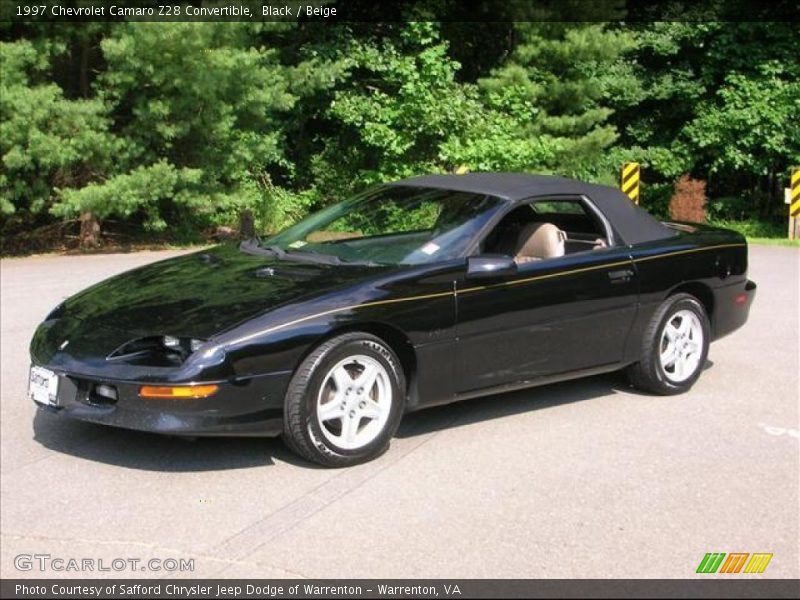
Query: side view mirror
[486,266]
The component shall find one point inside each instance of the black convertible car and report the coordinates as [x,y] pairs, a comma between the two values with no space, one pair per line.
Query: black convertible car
[415,293]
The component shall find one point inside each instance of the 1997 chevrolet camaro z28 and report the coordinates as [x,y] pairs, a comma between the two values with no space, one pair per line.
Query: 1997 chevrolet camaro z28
[413,294]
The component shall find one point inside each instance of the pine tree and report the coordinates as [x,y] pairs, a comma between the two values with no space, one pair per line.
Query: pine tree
[564,72]
[47,141]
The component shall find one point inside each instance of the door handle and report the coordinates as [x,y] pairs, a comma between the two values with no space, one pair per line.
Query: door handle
[620,276]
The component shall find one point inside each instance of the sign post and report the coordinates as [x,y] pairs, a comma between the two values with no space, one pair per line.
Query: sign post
[794,202]
[629,180]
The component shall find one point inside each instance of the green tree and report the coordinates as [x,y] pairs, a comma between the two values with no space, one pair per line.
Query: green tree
[402,111]
[164,125]
[46,140]
[750,129]
[139,190]
[562,74]
[391,114]
[202,107]
[714,99]
[198,96]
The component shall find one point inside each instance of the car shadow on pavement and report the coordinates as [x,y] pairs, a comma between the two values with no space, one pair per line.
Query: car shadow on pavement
[498,406]
[507,404]
[152,452]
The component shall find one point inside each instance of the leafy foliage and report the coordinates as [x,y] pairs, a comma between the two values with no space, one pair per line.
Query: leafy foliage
[46,140]
[716,100]
[559,75]
[181,126]
[141,189]
[751,124]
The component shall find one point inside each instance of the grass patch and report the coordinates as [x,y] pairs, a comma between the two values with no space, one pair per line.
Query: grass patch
[756,231]
[774,242]
[753,228]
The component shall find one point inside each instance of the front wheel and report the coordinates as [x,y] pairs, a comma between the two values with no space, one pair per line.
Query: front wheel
[674,347]
[345,401]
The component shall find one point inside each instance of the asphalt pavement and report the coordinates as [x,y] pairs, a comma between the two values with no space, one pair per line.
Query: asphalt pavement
[576,480]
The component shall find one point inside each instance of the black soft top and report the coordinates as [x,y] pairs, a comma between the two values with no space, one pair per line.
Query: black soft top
[633,224]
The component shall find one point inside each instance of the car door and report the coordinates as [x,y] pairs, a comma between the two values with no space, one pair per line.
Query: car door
[551,316]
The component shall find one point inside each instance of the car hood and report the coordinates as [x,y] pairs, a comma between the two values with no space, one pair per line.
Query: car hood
[199,295]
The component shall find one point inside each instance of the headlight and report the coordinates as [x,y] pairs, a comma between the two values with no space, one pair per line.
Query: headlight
[158,349]
[171,342]
[182,345]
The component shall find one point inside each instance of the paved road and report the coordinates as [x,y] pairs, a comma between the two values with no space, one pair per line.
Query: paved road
[582,479]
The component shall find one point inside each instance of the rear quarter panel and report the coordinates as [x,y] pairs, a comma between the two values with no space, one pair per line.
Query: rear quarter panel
[708,262]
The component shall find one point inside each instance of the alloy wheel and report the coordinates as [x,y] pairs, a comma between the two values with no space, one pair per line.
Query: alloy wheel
[681,346]
[354,402]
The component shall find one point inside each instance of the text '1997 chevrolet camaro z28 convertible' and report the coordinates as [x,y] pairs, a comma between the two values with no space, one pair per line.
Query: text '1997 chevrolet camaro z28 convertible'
[413,294]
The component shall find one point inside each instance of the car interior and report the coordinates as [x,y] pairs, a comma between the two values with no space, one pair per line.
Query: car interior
[546,228]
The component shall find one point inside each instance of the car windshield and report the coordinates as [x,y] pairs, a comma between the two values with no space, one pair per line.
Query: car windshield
[390,225]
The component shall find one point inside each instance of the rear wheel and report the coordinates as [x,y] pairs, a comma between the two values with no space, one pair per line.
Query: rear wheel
[345,401]
[674,347]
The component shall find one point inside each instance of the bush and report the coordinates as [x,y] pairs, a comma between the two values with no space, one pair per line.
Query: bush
[753,228]
[688,203]
[655,199]
[731,208]
[129,193]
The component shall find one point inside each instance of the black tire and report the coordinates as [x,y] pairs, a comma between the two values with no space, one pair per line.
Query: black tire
[648,374]
[302,430]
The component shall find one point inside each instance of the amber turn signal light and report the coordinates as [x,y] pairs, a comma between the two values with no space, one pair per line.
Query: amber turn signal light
[177,392]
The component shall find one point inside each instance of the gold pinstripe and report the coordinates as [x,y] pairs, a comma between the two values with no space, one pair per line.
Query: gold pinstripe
[677,252]
[475,289]
[540,277]
[594,268]
[335,310]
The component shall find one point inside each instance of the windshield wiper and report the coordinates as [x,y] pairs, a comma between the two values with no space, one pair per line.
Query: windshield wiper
[276,250]
[319,257]
[333,258]
[253,246]
[308,255]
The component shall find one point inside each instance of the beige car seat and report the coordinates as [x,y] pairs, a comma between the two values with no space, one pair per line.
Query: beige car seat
[537,241]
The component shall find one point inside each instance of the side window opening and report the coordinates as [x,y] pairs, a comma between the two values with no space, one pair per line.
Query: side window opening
[547,228]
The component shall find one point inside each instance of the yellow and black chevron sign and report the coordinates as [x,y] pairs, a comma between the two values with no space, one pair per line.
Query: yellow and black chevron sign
[629,180]
[794,195]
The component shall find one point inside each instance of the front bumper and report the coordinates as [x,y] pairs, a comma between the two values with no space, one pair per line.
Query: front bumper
[246,407]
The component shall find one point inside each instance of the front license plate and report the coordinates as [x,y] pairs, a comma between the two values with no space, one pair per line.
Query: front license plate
[43,386]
